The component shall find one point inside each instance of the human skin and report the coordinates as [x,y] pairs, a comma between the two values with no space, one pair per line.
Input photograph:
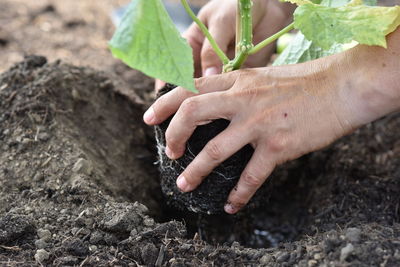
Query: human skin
[220,18]
[283,112]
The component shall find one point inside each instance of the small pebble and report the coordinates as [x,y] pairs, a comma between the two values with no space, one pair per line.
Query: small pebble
[317,256]
[312,263]
[148,222]
[43,136]
[82,166]
[353,235]
[267,258]
[40,244]
[346,251]
[282,257]
[41,256]
[44,234]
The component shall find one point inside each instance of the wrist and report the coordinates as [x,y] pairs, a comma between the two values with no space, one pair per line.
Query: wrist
[374,82]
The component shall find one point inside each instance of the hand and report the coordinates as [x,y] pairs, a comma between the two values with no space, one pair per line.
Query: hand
[283,112]
[220,18]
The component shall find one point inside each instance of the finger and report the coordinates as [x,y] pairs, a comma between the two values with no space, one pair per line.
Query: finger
[158,85]
[253,176]
[195,39]
[194,111]
[169,103]
[210,63]
[214,153]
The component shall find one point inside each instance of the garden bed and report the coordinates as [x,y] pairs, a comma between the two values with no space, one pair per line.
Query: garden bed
[78,186]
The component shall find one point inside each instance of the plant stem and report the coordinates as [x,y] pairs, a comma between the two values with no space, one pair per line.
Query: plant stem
[244,33]
[203,28]
[271,39]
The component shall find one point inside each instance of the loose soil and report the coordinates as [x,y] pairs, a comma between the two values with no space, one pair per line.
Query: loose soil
[78,186]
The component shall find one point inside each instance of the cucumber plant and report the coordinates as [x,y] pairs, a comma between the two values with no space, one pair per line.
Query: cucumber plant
[147,40]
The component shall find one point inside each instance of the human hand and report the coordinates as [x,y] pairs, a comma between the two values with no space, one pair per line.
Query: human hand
[283,112]
[219,16]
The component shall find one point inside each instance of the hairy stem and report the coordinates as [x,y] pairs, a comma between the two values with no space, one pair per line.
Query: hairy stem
[244,33]
[271,39]
[203,28]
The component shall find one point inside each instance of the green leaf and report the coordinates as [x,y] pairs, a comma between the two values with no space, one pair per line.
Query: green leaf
[302,50]
[147,40]
[326,26]
[337,3]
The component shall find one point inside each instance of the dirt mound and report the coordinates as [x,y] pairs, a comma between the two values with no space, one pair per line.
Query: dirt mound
[78,187]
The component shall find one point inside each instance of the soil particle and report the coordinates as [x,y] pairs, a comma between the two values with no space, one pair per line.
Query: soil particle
[76,247]
[282,257]
[44,234]
[41,256]
[82,166]
[346,251]
[149,254]
[14,227]
[353,235]
[40,244]
[66,261]
[122,220]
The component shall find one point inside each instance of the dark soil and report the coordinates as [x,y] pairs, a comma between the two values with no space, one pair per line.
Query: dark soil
[75,157]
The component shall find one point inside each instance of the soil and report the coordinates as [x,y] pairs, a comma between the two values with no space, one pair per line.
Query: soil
[77,169]
[78,186]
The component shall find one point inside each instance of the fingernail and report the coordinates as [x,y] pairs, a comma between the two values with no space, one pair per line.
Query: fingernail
[182,183]
[229,208]
[169,153]
[148,116]
[210,71]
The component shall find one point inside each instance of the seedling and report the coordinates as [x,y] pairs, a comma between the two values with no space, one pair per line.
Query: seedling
[147,39]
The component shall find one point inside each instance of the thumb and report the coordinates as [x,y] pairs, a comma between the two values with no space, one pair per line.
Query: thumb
[210,63]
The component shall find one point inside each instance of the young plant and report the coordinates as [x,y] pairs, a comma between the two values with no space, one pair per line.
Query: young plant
[147,39]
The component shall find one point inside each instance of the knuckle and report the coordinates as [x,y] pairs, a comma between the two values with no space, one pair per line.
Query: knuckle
[189,106]
[200,83]
[203,14]
[252,180]
[247,92]
[171,140]
[213,151]
[221,19]
[277,143]
[207,53]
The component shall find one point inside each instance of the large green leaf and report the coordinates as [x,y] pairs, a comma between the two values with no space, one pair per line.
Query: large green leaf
[302,50]
[332,3]
[326,26]
[147,40]
[338,3]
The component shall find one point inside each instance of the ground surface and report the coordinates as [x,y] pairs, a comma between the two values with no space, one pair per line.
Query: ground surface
[75,158]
